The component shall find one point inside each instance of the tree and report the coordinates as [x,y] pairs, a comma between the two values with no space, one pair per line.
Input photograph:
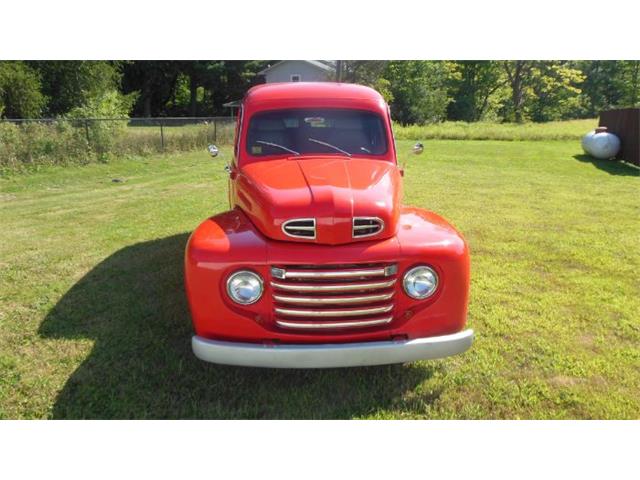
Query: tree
[197,73]
[518,72]
[155,80]
[630,82]
[555,92]
[70,84]
[419,90]
[634,82]
[229,81]
[20,95]
[198,87]
[541,90]
[473,85]
[370,73]
[626,81]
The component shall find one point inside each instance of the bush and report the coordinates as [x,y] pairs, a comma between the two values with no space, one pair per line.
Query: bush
[35,143]
[103,135]
[66,141]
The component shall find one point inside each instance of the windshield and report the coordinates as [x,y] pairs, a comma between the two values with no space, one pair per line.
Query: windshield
[313,131]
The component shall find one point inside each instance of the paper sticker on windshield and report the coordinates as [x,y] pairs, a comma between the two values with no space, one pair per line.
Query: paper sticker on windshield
[315,121]
[256,150]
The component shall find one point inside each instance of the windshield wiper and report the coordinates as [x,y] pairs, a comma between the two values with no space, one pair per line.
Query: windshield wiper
[330,146]
[278,146]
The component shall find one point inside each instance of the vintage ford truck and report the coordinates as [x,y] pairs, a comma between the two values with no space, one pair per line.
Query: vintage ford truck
[318,264]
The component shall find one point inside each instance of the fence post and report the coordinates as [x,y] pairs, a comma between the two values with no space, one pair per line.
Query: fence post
[215,130]
[161,136]
[86,130]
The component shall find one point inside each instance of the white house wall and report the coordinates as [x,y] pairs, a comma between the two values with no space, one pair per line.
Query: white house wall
[307,72]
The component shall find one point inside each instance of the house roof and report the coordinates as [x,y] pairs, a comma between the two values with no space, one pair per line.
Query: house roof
[325,65]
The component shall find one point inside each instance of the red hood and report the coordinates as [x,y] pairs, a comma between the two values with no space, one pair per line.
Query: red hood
[331,190]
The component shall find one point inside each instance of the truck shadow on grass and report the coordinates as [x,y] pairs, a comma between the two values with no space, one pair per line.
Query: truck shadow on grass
[613,167]
[133,306]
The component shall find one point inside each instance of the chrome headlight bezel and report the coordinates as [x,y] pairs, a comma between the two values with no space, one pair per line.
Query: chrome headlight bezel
[246,273]
[411,274]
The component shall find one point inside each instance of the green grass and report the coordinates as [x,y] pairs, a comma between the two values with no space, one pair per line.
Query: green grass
[94,324]
[564,130]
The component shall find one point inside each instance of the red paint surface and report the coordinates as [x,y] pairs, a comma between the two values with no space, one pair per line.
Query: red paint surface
[265,191]
[331,189]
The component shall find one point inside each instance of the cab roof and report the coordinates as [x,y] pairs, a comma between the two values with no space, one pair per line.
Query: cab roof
[303,94]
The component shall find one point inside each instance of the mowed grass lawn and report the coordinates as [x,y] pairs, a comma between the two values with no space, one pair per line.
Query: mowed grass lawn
[94,323]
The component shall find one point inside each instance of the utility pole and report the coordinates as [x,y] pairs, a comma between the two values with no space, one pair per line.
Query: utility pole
[338,70]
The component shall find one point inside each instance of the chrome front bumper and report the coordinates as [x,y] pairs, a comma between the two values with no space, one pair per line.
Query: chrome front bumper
[331,355]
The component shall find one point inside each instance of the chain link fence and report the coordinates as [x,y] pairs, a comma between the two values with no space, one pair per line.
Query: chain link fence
[25,142]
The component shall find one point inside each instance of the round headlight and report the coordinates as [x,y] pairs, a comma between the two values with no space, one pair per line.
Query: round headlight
[245,287]
[420,282]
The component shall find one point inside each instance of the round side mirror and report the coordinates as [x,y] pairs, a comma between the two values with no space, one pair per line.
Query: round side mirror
[418,148]
[213,150]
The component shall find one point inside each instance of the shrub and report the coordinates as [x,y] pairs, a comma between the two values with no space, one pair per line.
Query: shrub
[103,134]
[79,140]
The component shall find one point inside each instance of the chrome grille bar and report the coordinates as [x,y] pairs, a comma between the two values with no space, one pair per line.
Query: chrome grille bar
[333,313]
[325,325]
[333,300]
[343,287]
[365,272]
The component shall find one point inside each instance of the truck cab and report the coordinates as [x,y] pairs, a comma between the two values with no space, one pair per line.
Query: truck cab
[317,263]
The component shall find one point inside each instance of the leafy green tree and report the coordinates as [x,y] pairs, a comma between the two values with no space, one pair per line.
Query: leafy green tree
[70,84]
[229,81]
[197,72]
[555,92]
[198,87]
[630,83]
[632,67]
[609,84]
[419,90]
[599,92]
[518,73]
[370,73]
[155,80]
[476,88]
[541,90]
[20,95]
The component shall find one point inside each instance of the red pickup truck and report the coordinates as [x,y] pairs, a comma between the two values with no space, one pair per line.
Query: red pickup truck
[318,264]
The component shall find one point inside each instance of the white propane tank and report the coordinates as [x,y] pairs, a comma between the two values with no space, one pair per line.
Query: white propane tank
[586,141]
[601,144]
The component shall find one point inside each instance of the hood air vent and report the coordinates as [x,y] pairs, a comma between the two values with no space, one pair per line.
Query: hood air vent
[366,226]
[300,228]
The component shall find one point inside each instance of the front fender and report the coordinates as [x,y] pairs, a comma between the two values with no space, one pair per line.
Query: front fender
[227,242]
[219,246]
[427,238]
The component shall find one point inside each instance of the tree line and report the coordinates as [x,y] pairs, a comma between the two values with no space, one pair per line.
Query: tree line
[418,91]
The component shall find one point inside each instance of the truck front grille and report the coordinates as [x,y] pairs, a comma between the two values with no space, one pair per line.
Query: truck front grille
[333,296]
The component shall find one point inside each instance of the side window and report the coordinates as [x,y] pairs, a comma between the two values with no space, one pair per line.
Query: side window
[295,77]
